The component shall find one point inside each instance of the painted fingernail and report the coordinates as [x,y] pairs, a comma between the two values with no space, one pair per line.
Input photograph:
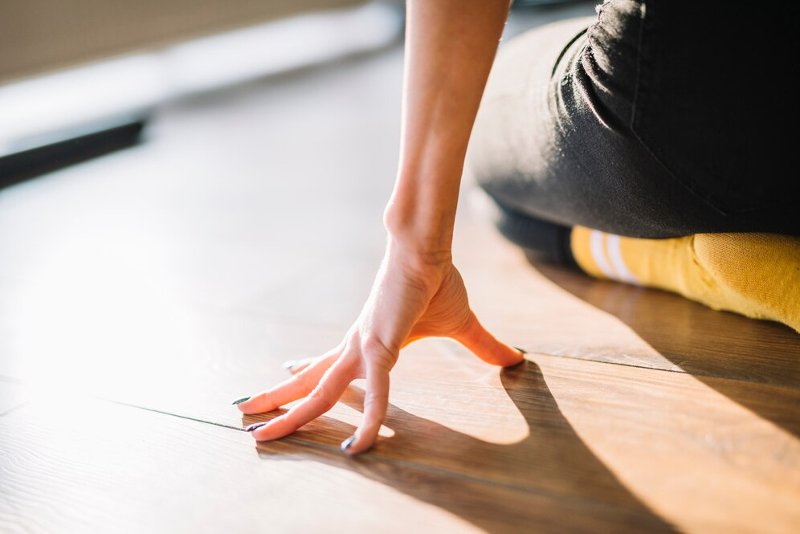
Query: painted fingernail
[239,401]
[254,426]
[346,443]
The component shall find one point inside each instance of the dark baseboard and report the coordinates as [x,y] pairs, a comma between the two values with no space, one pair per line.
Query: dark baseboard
[20,166]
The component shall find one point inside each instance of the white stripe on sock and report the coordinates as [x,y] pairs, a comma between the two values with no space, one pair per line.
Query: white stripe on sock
[615,255]
[596,245]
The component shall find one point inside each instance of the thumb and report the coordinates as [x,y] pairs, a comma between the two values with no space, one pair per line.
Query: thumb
[487,347]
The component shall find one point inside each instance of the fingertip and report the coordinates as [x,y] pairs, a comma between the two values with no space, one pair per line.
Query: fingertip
[356,445]
[264,431]
[243,403]
[245,406]
[516,356]
[254,426]
[496,352]
[488,348]
[257,404]
[347,444]
[241,400]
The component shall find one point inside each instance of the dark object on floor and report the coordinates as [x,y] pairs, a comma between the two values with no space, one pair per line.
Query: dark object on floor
[541,240]
[20,166]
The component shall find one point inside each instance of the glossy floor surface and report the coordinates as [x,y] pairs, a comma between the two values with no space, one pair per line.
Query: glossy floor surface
[144,291]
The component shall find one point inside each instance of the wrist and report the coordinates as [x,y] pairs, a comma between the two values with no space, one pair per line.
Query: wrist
[423,237]
[421,211]
[425,269]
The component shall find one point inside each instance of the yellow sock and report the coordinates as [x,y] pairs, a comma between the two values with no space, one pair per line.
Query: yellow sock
[757,275]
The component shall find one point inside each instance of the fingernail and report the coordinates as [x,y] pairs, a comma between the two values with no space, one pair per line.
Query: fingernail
[346,443]
[289,364]
[254,426]
[239,401]
[523,351]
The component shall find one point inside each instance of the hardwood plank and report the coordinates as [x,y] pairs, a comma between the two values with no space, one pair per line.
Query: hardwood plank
[89,466]
[622,439]
[93,466]
[494,507]
[667,441]
[452,412]
[698,339]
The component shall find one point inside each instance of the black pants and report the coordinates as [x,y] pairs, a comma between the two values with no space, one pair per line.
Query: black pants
[655,119]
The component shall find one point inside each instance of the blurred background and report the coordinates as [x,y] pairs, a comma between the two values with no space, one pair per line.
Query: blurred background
[92,73]
[76,68]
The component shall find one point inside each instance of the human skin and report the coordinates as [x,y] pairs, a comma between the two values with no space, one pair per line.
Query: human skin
[417,292]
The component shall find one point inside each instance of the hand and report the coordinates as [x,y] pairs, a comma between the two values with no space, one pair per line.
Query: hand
[411,298]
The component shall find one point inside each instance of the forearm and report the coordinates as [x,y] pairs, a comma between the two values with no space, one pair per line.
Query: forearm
[450,46]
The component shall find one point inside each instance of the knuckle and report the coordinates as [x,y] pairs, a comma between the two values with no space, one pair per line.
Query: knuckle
[374,406]
[372,397]
[304,378]
[264,402]
[322,396]
[377,353]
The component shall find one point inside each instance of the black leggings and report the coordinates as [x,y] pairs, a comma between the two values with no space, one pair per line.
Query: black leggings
[643,122]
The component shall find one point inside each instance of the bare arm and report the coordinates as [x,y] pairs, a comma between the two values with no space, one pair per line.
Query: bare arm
[450,46]
[417,292]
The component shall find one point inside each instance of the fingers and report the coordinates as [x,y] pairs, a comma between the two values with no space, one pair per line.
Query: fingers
[484,345]
[376,402]
[323,380]
[293,388]
[321,399]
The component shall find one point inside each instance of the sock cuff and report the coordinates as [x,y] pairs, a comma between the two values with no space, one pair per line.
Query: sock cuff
[580,240]
[600,255]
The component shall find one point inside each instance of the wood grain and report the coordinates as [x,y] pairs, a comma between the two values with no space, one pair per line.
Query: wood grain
[82,466]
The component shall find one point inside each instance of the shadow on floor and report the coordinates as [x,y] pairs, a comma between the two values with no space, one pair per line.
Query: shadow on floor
[549,481]
[725,351]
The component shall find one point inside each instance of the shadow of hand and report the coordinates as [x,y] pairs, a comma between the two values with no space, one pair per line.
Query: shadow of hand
[550,479]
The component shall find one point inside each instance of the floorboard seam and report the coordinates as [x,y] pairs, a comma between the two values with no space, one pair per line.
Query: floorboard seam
[155,410]
[681,371]
[591,503]
[675,371]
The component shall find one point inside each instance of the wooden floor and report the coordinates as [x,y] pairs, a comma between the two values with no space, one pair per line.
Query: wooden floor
[144,291]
